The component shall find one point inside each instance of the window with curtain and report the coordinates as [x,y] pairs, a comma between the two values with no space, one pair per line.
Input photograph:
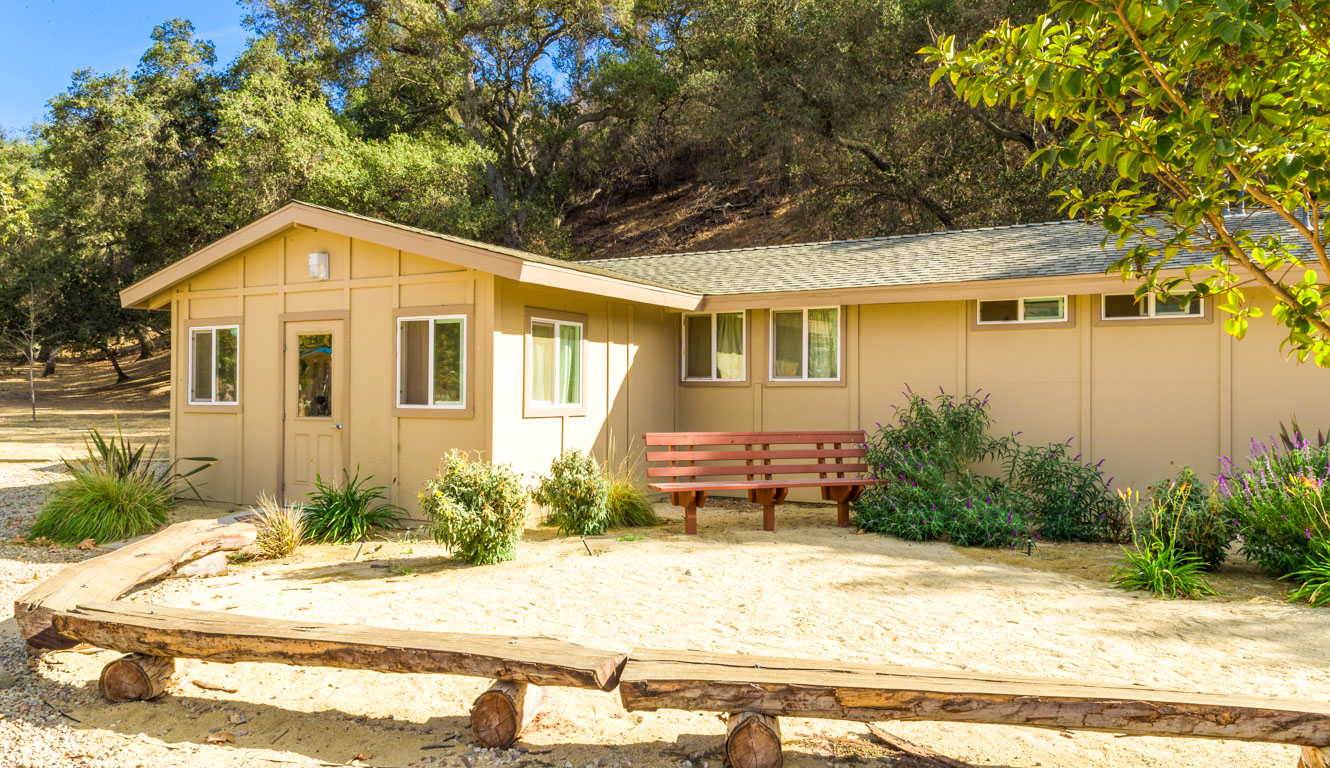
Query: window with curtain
[555,368]
[431,363]
[713,347]
[214,365]
[805,344]
[1044,309]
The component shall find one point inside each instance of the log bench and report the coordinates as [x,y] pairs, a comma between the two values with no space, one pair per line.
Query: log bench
[756,690]
[78,605]
[767,465]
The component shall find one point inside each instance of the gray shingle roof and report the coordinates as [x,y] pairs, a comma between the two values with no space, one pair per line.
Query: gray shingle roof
[1051,249]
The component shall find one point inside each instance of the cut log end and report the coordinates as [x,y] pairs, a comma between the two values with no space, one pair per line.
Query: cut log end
[136,677]
[501,713]
[752,740]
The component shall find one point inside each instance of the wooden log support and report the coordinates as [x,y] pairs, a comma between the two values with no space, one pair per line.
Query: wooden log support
[1314,757]
[136,677]
[767,498]
[501,713]
[752,740]
[107,577]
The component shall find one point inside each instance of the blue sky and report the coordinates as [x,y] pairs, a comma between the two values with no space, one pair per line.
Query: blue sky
[42,42]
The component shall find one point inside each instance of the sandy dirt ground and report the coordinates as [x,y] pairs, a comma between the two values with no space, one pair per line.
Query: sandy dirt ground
[809,590]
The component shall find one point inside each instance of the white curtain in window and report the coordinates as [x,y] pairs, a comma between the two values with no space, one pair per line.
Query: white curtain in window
[730,345]
[823,343]
[570,364]
[542,363]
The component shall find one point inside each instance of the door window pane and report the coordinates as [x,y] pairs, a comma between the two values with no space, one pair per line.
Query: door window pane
[1123,305]
[570,364]
[227,380]
[314,375]
[787,344]
[730,345]
[413,362]
[542,362]
[823,343]
[201,366]
[448,361]
[697,330]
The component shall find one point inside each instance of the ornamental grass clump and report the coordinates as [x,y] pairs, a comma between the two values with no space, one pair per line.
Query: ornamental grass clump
[628,504]
[1156,563]
[576,495]
[279,529]
[347,512]
[115,492]
[476,509]
[1279,503]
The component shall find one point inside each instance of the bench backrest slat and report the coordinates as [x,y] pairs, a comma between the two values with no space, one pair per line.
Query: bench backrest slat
[756,455]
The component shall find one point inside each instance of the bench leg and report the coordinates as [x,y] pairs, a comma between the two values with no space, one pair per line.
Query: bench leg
[752,740]
[501,713]
[768,498]
[1315,757]
[690,518]
[690,501]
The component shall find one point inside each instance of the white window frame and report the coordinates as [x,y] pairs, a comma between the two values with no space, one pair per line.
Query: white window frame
[771,345]
[1150,313]
[212,379]
[715,328]
[581,362]
[462,373]
[1020,311]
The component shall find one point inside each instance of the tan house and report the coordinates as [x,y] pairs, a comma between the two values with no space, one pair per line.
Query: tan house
[315,340]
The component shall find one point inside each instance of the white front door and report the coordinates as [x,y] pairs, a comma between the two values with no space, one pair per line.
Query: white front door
[313,406]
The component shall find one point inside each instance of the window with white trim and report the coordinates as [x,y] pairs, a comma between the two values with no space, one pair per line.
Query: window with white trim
[555,364]
[1039,309]
[713,346]
[214,365]
[1125,306]
[431,361]
[805,344]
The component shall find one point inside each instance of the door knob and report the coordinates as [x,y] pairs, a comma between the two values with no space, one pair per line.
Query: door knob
[338,425]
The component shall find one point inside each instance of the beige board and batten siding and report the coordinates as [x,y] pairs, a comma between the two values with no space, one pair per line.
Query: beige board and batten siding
[268,283]
[1147,395]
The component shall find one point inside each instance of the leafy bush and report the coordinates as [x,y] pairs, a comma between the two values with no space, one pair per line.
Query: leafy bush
[1279,503]
[629,506]
[1163,569]
[115,492]
[1314,578]
[1065,498]
[1201,525]
[931,489]
[279,529]
[341,514]
[576,494]
[476,509]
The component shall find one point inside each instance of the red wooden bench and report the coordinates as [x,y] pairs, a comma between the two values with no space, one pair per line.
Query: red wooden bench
[761,463]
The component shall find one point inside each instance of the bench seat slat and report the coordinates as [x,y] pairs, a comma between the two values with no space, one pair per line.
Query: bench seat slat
[734,456]
[753,469]
[700,681]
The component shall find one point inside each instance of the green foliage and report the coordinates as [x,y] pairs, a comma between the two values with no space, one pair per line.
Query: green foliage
[1065,498]
[103,507]
[1186,109]
[1192,511]
[931,488]
[1314,578]
[1279,503]
[117,491]
[629,506]
[347,512]
[1295,437]
[576,494]
[1164,569]
[477,509]
[279,529]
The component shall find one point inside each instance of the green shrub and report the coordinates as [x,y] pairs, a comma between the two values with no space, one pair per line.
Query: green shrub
[1163,569]
[103,507]
[1202,526]
[1064,498]
[279,529]
[1279,503]
[476,509]
[1314,577]
[629,506]
[115,492]
[345,513]
[576,494]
